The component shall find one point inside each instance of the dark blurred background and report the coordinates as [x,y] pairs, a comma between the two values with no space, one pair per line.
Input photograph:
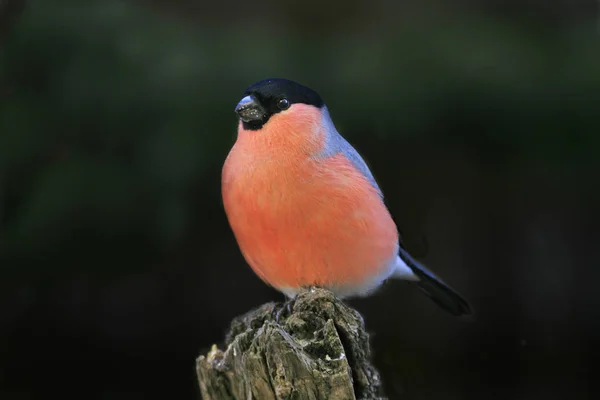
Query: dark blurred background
[480,119]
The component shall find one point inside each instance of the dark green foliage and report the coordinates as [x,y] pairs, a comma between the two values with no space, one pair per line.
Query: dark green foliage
[114,120]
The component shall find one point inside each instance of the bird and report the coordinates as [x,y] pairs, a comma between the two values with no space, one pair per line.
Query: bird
[304,207]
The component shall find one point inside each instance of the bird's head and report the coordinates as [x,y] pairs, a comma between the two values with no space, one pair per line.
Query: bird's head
[279,105]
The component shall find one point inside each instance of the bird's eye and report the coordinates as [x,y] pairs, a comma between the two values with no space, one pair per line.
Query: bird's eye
[283,104]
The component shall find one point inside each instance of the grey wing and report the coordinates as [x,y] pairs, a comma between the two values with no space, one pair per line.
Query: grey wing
[337,144]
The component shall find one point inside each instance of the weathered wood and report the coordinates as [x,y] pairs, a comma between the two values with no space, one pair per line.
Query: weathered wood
[314,347]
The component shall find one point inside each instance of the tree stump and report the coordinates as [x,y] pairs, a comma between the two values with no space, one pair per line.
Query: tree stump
[314,347]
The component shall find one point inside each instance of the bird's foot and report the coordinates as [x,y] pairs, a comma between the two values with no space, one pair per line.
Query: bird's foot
[284,311]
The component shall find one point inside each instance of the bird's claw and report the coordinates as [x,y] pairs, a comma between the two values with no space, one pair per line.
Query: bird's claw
[286,308]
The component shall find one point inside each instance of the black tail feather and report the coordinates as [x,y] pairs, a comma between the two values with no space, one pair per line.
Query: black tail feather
[440,292]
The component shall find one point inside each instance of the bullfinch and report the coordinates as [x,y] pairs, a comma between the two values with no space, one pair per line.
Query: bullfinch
[304,206]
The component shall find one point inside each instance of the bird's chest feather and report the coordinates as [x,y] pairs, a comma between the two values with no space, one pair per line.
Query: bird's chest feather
[302,218]
[272,195]
[302,202]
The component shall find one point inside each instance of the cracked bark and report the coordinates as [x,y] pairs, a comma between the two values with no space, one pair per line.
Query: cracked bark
[319,350]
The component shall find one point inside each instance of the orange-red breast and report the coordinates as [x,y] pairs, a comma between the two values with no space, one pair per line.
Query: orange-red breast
[304,207]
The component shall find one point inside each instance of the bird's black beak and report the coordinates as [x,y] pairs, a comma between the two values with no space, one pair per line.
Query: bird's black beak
[250,110]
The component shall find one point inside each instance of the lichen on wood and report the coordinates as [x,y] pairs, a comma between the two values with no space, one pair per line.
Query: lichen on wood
[313,347]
